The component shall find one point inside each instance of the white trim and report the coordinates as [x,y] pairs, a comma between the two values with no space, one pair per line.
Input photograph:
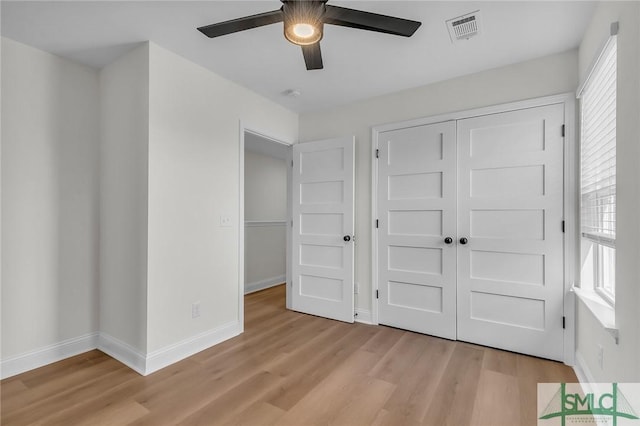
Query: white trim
[161,358]
[572,225]
[118,350]
[264,284]
[374,231]
[257,223]
[475,112]
[596,62]
[47,355]
[289,236]
[171,354]
[570,195]
[588,383]
[601,310]
[123,352]
[241,228]
[363,316]
[582,371]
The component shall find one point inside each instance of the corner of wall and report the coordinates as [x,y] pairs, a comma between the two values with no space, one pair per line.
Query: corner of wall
[124,112]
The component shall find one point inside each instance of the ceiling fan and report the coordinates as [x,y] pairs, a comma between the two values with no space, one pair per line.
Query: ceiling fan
[304,24]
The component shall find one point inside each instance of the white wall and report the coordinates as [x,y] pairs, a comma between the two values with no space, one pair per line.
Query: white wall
[194,120]
[621,362]
[50,216]
[546,76]
[265,187]
[124,109]
[113,184]
[265,199]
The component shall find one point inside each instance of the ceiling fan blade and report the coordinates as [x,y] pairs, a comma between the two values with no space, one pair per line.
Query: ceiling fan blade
[241,24]
[345,17]
[312,56]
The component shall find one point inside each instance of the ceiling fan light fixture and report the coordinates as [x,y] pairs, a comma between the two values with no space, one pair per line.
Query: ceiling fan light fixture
[303,24]
[304,31]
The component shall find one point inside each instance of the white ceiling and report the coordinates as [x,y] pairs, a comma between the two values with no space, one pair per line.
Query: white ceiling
[357,64]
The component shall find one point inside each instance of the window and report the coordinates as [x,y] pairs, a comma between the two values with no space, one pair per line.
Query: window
[598,173]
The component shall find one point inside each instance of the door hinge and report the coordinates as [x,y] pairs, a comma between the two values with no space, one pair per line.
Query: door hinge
[377,153]
[563,130]
[563,226]
[377,294]
[292,223]
[564,321]
[377,223]
[291,163]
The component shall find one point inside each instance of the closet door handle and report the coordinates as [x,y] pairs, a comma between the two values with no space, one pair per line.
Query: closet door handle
[463,241]
[448,240]
[347,238]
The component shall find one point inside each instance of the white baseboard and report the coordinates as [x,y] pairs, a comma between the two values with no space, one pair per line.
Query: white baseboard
[123,352]
[261,285]
[363,316]
[583,373]
[164,357]
[119,350]
[47,355]
[588,384]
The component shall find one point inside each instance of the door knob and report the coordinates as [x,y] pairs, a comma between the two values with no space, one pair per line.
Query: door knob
[347,238]
[448,240]
[463,240]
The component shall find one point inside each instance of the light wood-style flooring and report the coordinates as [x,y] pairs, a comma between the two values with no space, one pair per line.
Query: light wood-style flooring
[292,369]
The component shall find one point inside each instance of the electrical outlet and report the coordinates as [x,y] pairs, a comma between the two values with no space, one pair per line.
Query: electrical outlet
[195,309]
[225,221]
[601,356]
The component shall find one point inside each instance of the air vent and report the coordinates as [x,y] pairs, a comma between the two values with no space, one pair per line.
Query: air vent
[464,27]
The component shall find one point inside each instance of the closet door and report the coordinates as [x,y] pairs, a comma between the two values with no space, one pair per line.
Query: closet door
[510,211]
[416,213]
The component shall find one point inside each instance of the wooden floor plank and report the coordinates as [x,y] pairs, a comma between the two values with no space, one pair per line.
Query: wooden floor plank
[260,413]
[330,395]
[400,358]
[409,403]
[497,401]
[234,401]
[125,411]
[457,388]
[500,361]
[291,369]
[305,372]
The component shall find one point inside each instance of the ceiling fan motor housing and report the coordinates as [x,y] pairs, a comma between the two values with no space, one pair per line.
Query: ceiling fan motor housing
[303,21]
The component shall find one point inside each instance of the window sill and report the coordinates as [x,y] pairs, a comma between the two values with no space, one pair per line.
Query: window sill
[601,310]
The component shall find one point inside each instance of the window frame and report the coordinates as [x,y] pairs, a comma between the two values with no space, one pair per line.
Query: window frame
[600,241]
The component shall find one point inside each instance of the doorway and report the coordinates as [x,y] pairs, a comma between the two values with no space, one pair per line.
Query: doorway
[319,243]
[265,212]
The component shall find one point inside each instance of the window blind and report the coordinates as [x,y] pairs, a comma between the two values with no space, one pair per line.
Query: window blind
[598,149]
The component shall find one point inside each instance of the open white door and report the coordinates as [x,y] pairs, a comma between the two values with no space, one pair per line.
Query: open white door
[323,228]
